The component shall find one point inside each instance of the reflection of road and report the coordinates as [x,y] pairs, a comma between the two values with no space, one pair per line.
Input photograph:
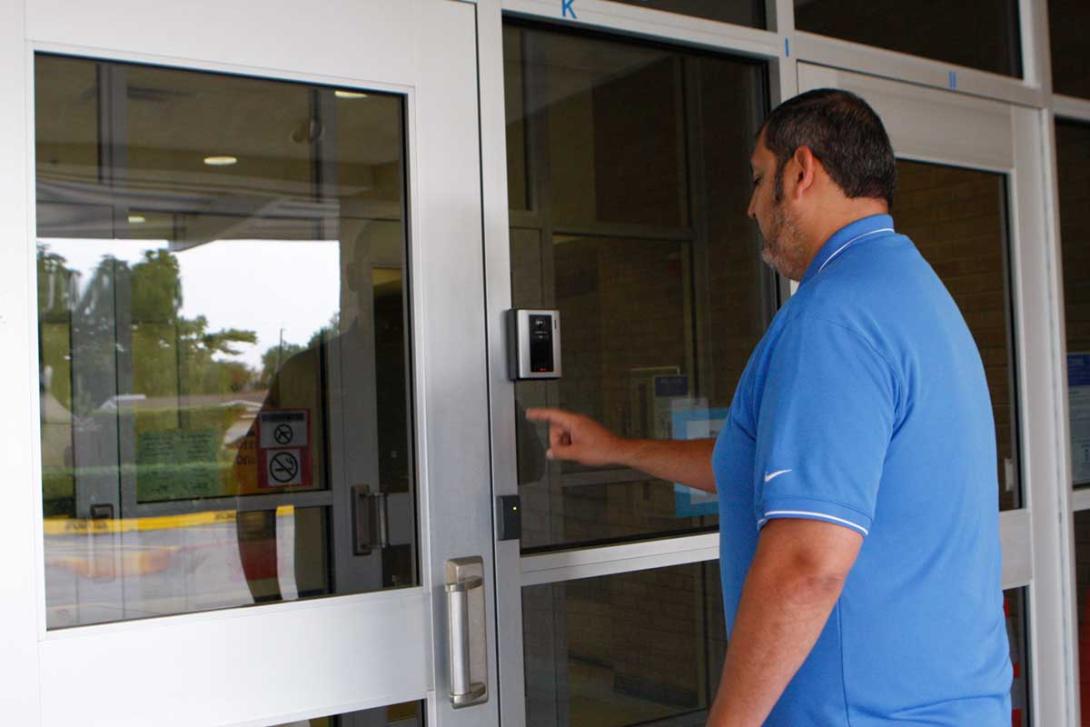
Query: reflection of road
[167,568]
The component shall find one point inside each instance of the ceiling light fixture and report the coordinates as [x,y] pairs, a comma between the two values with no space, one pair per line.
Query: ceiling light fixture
[137,219]
[220,161]
[349,94]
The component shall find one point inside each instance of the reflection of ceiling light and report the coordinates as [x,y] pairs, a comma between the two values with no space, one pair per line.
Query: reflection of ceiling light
[137,219]
[220,161]
[349,94]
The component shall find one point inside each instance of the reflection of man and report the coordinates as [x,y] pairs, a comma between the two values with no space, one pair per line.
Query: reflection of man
[856,474]
[297,386]
[304,384]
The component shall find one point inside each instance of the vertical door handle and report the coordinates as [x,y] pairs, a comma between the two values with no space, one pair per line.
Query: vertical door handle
[466,647]
[370,529]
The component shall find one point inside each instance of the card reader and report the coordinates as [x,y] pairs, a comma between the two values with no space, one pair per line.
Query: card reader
[533,344]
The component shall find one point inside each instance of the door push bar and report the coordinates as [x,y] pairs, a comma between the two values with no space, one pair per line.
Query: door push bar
[466,634]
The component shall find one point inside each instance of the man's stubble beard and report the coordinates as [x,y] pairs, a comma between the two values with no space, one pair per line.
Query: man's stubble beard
[783,247]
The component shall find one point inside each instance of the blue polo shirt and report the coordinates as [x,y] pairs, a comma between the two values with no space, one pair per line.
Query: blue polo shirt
[865,406]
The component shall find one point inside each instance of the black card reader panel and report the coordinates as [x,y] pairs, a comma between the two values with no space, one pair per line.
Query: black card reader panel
[541,344]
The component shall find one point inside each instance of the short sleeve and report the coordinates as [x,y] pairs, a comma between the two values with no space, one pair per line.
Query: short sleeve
[824,425]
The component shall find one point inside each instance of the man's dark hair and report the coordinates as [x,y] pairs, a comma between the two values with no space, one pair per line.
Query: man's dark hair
[843,132]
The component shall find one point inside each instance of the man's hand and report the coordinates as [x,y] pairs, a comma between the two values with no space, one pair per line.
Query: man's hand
[579,438]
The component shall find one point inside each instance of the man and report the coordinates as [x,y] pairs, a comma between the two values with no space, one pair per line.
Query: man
[859,538]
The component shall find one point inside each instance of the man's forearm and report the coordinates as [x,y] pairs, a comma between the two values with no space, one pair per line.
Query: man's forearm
[688,461]
[785,604]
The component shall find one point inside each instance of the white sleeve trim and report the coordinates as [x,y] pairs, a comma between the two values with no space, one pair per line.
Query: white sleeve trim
[807,513]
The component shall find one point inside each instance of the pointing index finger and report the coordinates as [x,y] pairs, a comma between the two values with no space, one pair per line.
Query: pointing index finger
[553,416]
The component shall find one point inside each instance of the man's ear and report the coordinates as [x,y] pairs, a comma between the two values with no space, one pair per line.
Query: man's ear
[804,170]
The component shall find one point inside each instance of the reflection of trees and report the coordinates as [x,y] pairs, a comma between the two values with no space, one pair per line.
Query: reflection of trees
[121,333]
[169,354]
[276,356]
[273,358]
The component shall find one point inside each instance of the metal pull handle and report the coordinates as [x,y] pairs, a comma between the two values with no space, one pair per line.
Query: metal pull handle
[370,526]
[465,630]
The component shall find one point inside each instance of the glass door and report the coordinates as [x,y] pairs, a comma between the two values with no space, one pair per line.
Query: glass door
[261,447]
[969,181]
[627,190]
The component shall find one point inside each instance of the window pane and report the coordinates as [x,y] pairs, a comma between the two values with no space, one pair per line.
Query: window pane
[930,29]
[958,220]
[636,648]
[1014,605]
[1067,22]
[518,193]
[739,12]
[1073,159]
[410,714]
[215,253]
[608,163]
[643,230]
[1082,584]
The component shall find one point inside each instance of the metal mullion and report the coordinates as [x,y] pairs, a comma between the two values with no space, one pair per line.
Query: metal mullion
[780,15]
[602,477]
[1080,499]
[246,503]
[1071,108]
[628,232]
[577,563]
[1034,44]
[894,65]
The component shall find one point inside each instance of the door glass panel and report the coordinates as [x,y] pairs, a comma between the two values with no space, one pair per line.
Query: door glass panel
[1073,162]
[1070,54]
[958,220]
[410,714]
[1014,606]
[641,240]
[648,647]
[740,12]
[1082,585]
[637,648]
[225,392]
[924,29]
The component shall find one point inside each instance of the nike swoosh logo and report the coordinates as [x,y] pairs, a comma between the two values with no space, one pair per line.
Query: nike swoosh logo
[769,476]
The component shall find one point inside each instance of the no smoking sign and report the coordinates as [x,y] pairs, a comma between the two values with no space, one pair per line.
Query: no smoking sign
[284,448]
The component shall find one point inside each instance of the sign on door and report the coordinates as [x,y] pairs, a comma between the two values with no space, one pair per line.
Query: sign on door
[283,448]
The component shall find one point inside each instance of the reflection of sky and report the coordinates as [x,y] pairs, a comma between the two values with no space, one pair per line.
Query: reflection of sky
[265,286]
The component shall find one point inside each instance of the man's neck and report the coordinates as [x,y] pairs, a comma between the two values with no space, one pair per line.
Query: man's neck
[841,216]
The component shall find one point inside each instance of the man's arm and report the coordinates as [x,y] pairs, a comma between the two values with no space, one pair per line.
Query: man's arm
[795,580]
[579,438]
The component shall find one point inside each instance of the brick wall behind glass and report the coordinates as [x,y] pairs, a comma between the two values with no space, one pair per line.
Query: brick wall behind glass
[956,217]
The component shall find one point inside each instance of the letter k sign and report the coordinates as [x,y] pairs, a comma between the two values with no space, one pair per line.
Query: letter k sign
[567,9]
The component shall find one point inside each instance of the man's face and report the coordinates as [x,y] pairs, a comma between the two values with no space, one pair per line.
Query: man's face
[783,247]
